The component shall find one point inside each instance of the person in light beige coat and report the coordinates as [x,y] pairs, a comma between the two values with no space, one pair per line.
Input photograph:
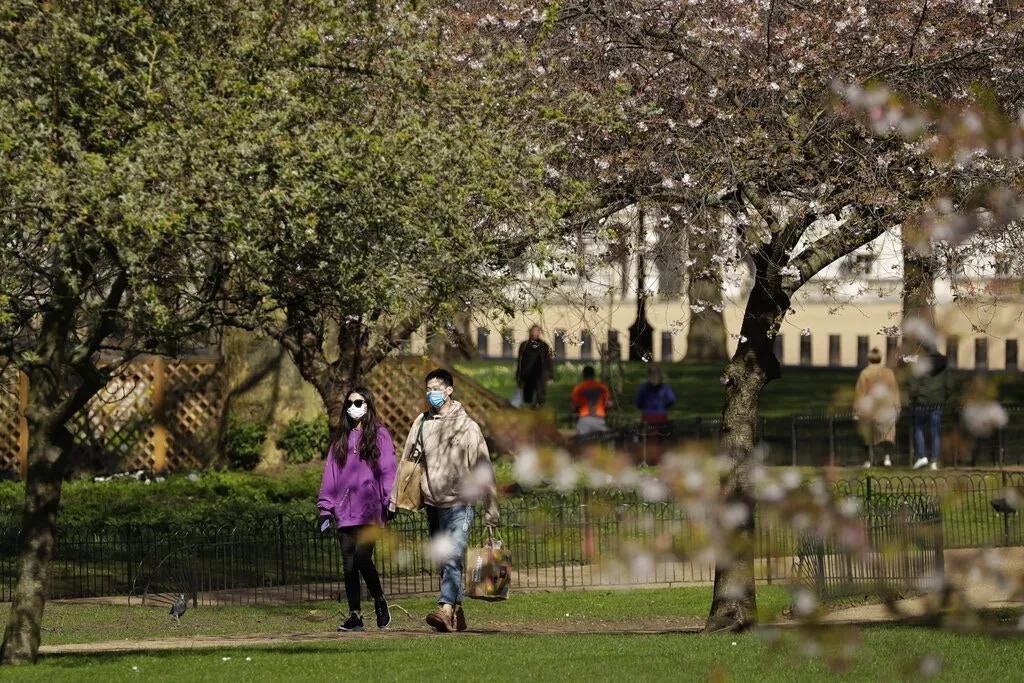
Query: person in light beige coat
[876,407]
[457,474]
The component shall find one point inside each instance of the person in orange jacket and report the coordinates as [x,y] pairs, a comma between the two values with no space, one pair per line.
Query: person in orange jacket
[591,399]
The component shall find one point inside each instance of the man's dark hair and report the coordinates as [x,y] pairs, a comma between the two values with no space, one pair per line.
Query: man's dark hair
[442,375]
[588,372]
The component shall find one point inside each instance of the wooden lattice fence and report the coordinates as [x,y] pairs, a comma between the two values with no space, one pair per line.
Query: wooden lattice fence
[159,415]
[154,415]
[401,395]
[13,428]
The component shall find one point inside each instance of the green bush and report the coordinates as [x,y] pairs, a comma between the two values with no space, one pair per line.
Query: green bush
[177,499]
[243,444]
[304,440]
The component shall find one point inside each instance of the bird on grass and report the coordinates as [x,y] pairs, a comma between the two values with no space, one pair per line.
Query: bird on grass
[1003,506]
[178,608]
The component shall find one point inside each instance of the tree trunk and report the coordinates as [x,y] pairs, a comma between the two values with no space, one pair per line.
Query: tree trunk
[669,255]
[918,277]
[43,481]
[332,393]
[706,337]
[734,605]
[360,349]
[460,344]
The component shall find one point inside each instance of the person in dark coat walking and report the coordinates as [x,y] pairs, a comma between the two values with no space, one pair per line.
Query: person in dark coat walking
[534,368]
[928,393]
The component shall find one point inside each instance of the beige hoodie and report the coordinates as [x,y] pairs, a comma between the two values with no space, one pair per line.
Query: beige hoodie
[457,465]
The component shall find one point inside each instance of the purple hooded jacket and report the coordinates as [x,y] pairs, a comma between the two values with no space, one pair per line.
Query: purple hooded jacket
[353,493]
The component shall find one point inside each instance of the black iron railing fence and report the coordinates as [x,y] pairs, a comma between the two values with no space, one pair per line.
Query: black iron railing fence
[558,542]
[906,544]
[827,438]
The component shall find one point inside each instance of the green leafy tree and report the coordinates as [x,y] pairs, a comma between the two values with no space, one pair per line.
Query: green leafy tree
[396,186]
[115,238]
[334,173]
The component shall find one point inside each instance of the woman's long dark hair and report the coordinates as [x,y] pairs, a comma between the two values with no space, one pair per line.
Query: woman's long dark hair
[369,450]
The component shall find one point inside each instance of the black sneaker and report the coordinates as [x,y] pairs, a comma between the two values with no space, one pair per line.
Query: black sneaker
[383,612]
[353,623]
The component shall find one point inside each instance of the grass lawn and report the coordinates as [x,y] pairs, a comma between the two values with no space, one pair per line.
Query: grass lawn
[660,608]
[698,388]
[799,390]
[884,653]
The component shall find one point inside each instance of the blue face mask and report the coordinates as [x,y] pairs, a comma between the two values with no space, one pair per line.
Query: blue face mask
[436,398]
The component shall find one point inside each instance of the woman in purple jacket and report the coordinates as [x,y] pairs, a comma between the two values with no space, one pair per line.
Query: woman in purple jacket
[358,475]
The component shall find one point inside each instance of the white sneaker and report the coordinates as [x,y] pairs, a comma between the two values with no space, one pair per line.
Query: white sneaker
[920,462]
[933,466]
[887,462]
[867,465]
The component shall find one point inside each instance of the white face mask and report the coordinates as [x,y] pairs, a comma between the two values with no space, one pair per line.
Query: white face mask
[356,413]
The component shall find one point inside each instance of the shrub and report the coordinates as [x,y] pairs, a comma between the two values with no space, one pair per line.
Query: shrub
[243,444]
[177,500]
[304,440]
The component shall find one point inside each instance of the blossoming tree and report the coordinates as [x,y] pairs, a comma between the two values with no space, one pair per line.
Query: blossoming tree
[730,108]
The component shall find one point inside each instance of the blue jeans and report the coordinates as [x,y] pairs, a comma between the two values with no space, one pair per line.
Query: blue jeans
[455,522]
[930,418]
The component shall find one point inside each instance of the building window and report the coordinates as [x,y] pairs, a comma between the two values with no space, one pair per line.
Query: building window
[666,346]
[614,349]
[560,344]
[482,333]
[953,352]
[1011,354]
[507,341]
[834,359]
[778,346]
[981,354]
[586,345]
[805,350]
[857,265]
[863,348]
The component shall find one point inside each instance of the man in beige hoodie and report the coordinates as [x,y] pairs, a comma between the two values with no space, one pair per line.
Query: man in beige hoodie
[457,474]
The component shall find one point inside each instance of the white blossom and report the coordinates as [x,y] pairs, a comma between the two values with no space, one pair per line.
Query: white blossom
[983,417]
[526,467]
[442,548]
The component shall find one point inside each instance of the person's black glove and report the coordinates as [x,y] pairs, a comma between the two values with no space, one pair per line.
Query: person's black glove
[390,514]
[323,525]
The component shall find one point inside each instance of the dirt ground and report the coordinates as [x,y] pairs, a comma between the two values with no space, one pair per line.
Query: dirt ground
[215,642]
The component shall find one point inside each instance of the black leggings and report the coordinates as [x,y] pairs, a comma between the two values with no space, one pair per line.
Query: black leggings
[357,558]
